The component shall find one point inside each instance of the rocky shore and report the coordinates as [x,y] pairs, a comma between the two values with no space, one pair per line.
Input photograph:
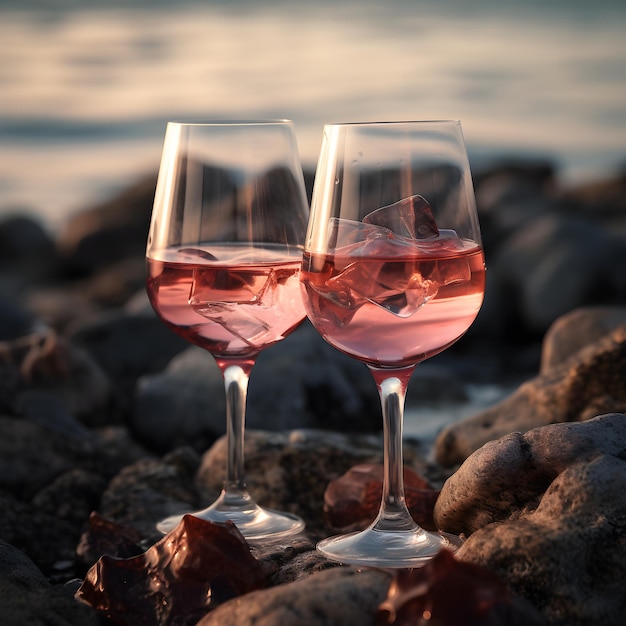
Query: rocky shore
[109,422]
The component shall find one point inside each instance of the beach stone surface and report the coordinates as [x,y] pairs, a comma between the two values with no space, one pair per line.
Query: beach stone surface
[334,597]
[27,597]
[585,384]
[107,424]
[575,330]
[547,511]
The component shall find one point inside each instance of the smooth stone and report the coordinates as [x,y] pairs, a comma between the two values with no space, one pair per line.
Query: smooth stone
[556,264]
[547,511]
[585,385]
[504,476]
[184,404]
[290,471]
[144,492]
[300,382]
[26,596]
[27,250]
[53,381]
[575,330]
[334,597]
[126,346]
[117,229]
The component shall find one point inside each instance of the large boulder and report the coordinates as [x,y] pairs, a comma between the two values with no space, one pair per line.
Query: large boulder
[582,385]
[547,511]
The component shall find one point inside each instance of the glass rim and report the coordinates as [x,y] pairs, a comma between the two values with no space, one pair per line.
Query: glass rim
[395,122]
[232,122]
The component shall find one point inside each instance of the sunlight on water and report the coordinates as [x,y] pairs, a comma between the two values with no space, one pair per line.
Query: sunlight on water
[86,93]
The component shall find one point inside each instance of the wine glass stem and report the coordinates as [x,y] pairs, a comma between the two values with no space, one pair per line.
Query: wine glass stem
[236,385]
[393,514]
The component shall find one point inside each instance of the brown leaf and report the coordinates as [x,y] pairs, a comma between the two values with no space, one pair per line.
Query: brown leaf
[193,569]
[354,498]
[106,537]
[448,592]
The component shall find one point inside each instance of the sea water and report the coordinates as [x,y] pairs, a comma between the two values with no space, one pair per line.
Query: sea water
[86,88]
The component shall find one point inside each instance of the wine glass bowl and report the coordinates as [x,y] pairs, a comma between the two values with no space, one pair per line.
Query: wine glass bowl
[223,261]
[393,273]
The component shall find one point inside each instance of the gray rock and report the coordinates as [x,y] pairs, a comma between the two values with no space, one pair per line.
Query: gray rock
[290,471]
[287,471]
[126,346]
[575,330]
[27,251]
[49,541]
[556,264]
[53,380]
[339,596]
[112,231]
[506,475]
[547,511]
[183,404]
[26,596]
[585,385]
[146,491]
[300,382]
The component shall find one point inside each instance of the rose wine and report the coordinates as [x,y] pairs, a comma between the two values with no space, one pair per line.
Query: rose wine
[232,300]
[394,309]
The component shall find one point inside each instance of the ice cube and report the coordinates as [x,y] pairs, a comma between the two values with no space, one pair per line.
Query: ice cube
[254,286]
[237,301]
[352,235]
[401,293]
[391,267]
[239,320]
[410,217]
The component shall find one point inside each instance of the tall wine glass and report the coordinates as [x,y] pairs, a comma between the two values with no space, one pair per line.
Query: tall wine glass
[393,273]
[223,257]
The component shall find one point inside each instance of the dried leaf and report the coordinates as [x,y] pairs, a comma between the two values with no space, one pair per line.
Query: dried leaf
[448,592]
[193,569]
[354,499]
[106,537]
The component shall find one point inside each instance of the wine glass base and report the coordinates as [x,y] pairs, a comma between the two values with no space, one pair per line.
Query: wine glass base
[253,522]
[388,549]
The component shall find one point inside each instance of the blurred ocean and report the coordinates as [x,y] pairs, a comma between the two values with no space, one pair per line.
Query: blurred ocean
[86,88]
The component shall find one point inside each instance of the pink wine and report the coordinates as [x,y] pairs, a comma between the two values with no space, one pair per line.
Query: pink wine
[394,309]
[232,300]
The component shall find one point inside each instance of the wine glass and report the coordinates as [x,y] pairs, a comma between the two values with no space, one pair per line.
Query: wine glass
[223,261]
[393,273]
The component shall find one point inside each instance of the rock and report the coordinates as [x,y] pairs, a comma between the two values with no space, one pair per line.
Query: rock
[300,382]
[49,541]
[510,196]
[575,330]
[26,248]
[146,491]
[290,471]
[286,471]
[339,596]
[557,264]
[15,320]
[183,404]
[506,475]
[585,385]
[421,595]
[547,511]
[32,456]
[72,496]
[113,231]
[26,596]
[126,347]
[53,380]
[604,199]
